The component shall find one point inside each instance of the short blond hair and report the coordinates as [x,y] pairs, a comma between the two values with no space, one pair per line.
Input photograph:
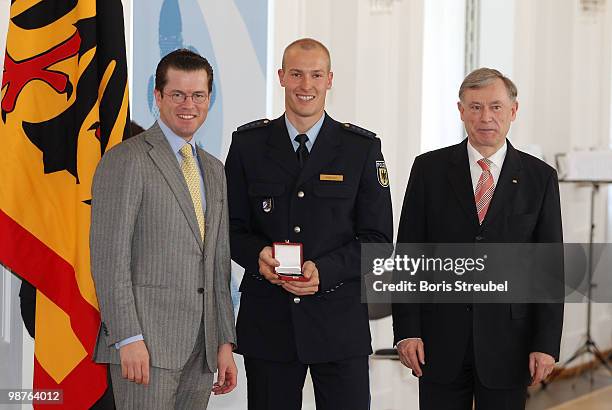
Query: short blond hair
[484,76]
[307,44]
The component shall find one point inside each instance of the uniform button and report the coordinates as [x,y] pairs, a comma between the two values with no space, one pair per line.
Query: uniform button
[296,300]
[300,194]
[468,308]
[297,229]
[200,290]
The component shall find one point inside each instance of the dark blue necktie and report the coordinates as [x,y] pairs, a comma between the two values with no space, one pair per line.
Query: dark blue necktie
[302,151]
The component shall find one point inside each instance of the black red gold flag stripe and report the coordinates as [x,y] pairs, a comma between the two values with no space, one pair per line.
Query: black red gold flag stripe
[64,102]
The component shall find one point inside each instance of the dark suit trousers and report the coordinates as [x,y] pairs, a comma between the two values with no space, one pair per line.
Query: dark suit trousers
[467,389]
[340,385]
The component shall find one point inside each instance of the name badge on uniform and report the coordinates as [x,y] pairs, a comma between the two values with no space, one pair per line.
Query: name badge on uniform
[267,205]
[382,174]
[331,177]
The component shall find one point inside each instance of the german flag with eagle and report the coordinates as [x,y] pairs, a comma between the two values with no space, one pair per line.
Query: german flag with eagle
[64,102]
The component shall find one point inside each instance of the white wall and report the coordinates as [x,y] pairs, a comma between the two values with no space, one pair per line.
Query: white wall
[562,67]
[497,25]
[443,69]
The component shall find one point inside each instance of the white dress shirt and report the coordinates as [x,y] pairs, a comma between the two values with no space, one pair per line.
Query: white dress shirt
[497,160]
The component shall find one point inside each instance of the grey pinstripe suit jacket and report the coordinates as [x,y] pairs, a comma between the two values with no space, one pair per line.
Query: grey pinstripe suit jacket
[147,256]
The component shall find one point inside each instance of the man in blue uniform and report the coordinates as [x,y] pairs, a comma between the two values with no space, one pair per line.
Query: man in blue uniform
[305,178]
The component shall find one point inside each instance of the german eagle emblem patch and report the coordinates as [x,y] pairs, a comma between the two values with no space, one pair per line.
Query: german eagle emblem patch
[382,174]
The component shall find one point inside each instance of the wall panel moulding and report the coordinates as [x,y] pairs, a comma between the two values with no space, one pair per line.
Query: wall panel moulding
[592,6]
[382,6]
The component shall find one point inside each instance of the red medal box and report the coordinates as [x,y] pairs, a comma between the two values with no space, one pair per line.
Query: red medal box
[290,256]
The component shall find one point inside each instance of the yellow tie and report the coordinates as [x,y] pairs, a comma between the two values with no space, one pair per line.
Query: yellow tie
[192,177]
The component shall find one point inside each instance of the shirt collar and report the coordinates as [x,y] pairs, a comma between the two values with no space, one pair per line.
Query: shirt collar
[176,142]
[497,159]
[312,133]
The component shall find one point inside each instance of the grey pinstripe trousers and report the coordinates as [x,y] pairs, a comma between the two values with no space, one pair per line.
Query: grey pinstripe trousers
[181,389]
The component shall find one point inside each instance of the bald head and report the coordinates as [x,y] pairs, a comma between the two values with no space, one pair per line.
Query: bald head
[306,44]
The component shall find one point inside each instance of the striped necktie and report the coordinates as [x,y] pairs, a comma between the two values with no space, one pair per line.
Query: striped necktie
[484,189]
[189,167]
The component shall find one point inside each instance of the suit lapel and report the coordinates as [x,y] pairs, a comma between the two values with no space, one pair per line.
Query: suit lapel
[280,149]
[324,151]
[165,160]
[210,193]
[505,187]
[461,181]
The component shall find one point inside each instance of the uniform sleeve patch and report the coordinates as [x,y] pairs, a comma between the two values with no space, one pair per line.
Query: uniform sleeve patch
[382,174]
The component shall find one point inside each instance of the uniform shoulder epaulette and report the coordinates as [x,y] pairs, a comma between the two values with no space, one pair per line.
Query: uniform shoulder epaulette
[254,124]
[358,130]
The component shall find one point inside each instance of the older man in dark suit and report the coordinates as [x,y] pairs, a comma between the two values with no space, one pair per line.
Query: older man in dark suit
[481,190]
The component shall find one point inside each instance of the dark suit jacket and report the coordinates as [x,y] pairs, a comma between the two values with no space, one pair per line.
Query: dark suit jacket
[334,219]
[439,207]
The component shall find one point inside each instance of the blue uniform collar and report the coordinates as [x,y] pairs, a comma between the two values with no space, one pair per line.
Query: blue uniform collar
[312,133]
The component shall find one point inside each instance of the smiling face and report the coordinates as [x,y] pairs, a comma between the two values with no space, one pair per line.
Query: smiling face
[306,78]
[185,118]
[487,113]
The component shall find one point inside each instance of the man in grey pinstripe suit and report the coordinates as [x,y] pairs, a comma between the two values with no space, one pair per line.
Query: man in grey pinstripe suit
[160,253]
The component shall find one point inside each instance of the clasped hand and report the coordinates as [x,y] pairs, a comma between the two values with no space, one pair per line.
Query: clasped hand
[267,263]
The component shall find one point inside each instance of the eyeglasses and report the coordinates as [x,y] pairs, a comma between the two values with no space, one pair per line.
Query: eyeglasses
[179,97]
